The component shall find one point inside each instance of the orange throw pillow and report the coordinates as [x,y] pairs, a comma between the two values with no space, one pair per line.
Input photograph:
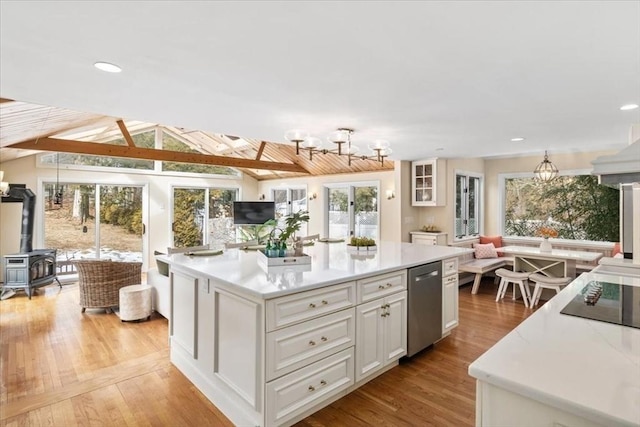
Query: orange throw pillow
[496,240]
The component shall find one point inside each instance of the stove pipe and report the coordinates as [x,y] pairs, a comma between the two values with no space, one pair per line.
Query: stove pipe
[28,211]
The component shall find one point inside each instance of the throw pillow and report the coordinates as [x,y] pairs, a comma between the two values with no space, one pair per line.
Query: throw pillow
[617,249]
[163,267]
[485,250]
[496,240]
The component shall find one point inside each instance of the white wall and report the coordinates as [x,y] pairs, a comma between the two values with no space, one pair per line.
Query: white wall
[24,171]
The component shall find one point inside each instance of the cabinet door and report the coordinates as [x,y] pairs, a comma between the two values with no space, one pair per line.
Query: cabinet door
[369,338]
[449,303]
[184,312]
[423,185]
[395,327]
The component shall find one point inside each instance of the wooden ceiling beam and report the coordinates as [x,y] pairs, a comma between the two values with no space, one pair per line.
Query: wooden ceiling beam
[125,133]
[96,149]
[260,150]
[3,100]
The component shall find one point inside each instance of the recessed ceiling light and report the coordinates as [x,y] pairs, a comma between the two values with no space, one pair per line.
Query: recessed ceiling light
[629,107]
[108,67]
[440,149]
[517,139]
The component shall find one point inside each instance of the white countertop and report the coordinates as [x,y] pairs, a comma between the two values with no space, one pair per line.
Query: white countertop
[583,256]
[585,367]
[330,264]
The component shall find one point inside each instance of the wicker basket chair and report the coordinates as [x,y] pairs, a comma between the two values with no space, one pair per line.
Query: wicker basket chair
[100,281]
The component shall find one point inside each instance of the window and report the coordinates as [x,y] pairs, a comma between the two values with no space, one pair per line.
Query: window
[352,210]
[172,143]
[574,205]
[469,194]
[288,201]
[203,216]
[142,140]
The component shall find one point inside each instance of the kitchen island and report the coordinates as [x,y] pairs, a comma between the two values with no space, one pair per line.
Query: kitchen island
[271,345]
[561,370]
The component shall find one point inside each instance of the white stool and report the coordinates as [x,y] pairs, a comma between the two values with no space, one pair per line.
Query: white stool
[520,279]
[545,282]
[135,302]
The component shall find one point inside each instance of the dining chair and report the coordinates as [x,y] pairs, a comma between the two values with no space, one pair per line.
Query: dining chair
[508,277]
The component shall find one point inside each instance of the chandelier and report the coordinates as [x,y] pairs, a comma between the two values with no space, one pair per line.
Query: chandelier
[545,171]
[343,147]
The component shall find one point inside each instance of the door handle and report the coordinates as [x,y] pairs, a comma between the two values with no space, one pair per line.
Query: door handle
[425,276]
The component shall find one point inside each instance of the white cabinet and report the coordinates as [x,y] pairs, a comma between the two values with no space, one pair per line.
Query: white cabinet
[449,295]
[428,182]
[381,333]
[426,238]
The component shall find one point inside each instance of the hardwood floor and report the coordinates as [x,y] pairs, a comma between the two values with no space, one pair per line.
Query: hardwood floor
[60,367]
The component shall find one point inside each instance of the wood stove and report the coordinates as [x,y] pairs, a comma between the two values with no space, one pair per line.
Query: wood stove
[29,269]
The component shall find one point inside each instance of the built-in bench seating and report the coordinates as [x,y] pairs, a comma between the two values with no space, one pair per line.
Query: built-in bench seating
[478,267]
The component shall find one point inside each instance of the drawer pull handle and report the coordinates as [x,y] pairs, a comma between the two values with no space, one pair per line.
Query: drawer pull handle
[389,285]
[312,305]
[312,342]
[324,338]
[380,286]
[324,302]
[312,388]
[323,382]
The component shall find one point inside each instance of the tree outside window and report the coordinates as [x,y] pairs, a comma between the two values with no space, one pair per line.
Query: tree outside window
[577,207]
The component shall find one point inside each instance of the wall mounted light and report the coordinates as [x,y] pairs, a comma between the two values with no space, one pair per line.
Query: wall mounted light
[313,196]
[390,194]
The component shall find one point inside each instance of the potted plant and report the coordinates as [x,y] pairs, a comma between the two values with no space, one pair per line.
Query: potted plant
[286,237]
[362,244]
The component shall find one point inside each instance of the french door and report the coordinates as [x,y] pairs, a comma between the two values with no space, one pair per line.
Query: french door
[288,201]
[203,216]
[353,210]
[94,221]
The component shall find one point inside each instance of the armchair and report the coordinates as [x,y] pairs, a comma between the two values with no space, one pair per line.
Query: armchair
[99,281]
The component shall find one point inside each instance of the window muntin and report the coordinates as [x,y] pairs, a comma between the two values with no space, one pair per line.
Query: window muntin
[469,202]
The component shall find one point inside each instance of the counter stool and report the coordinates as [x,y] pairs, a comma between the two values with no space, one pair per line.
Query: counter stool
[135,302]
[520,279]
[545,282]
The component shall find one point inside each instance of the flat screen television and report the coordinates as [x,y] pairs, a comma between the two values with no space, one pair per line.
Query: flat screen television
[253,213]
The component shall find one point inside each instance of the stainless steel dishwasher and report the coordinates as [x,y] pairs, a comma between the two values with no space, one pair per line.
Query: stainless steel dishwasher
[424,322]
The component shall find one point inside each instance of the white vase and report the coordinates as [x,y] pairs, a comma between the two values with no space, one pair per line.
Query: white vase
[545,246]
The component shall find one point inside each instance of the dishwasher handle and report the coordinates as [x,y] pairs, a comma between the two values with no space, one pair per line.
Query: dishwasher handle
[426,276]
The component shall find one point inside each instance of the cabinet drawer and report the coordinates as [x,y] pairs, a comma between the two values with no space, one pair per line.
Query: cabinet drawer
[379,286]
[295,393]
[303,306]
[296,346]
[449,266]
[425,240]
[449,280]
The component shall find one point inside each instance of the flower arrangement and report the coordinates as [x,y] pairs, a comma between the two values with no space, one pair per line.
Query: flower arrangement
[547,232]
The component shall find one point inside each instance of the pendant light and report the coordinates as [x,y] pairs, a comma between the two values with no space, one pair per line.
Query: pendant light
[545,171]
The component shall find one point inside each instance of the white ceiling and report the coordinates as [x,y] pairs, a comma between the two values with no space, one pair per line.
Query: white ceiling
[465,77]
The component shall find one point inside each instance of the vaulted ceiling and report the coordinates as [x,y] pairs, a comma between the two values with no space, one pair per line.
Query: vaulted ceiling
[30,128]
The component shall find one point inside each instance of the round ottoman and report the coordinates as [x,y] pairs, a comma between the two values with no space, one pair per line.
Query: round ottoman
[135,302]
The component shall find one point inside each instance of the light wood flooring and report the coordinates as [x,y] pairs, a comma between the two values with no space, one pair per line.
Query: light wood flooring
[60,367]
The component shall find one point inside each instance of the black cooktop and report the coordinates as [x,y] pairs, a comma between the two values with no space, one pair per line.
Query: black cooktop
[607,302]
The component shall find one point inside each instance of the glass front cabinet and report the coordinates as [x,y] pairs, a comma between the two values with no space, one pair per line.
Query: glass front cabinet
[425,186]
